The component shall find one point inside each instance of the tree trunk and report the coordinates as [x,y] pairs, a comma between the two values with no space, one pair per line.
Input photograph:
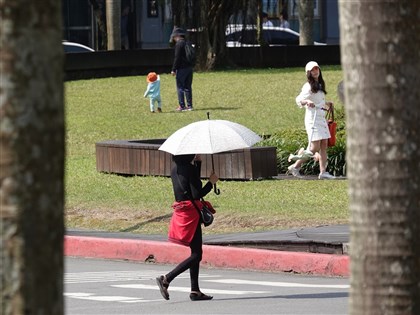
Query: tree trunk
[113,24]
[380,53]
[179,12]
[101,42]
[209,18]
[32,157]
[218,14]
[306,22]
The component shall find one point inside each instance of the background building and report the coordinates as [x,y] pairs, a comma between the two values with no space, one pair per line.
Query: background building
[149,22]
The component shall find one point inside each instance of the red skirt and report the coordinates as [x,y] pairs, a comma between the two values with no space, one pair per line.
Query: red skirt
[183,223]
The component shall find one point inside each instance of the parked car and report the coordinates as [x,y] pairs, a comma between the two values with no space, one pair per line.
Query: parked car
[237,36]
[70,47]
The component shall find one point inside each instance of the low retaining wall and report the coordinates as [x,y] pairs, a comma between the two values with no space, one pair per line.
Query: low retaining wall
[115,63]
[142,157]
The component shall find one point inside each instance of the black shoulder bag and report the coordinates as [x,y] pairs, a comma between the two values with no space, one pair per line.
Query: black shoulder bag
[206,216]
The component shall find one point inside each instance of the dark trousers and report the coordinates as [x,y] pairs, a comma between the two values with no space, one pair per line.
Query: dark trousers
[192,262]
[184,79]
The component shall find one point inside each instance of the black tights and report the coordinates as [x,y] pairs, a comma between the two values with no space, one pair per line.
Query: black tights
[192,262]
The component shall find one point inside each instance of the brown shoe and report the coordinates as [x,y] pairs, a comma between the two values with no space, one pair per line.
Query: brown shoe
[159,110]
[163,286]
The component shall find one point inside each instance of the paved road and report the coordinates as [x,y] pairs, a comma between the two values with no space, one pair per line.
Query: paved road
[95,286]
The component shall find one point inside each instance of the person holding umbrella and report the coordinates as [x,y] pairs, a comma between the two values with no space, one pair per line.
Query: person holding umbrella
[185,226]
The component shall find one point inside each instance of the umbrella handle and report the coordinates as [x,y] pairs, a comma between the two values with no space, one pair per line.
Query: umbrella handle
[216,190]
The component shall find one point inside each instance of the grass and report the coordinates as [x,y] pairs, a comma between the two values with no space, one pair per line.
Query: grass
[114,108]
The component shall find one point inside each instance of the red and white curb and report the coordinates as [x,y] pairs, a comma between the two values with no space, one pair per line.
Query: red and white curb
[213,256]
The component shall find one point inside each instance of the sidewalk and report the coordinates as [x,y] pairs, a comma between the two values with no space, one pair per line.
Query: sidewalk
[319,250]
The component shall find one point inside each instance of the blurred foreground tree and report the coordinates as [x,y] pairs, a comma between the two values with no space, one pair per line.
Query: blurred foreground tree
[380,53]
[31,157]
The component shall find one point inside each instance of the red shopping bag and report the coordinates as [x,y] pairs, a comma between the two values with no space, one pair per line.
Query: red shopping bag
[332,126]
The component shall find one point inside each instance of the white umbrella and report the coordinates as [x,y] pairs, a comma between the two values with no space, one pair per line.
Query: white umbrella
[209,137]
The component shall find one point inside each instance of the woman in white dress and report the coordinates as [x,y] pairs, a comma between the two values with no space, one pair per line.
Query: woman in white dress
[312,98]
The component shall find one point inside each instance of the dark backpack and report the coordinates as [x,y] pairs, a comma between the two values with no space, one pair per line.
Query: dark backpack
[190,53]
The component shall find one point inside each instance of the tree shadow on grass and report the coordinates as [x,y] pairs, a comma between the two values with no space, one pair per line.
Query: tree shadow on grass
[152,220]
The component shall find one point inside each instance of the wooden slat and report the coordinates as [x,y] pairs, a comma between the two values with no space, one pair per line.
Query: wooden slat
[138,158]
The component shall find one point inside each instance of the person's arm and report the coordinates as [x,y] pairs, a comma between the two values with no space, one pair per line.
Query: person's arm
[147,90]
[329,104]
[303,98]
[177,59]
[197,189]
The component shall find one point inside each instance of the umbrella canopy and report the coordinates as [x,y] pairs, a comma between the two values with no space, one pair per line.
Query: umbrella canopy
[208,137]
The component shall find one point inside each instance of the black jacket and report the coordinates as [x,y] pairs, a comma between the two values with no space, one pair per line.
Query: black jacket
[180,59]
[189,180]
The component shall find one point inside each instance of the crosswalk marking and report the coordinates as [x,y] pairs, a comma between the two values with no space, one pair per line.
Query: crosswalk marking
[115,276]
[142,281]
[186,289]
[280,284]
[106,298]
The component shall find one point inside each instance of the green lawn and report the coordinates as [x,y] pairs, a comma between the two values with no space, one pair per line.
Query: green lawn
[262,100]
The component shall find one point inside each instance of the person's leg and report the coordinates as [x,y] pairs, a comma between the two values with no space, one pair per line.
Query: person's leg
[152,106]
[298,164]
[159,103]
[192,263]
[314,148]
[188,87]
[195,257]
[323,161]
[323,156]
[180,92]
[180,84]
[196,252]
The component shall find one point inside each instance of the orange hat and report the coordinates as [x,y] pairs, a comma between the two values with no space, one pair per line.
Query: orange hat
[151,77]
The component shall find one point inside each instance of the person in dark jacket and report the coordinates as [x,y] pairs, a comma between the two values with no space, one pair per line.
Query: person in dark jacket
[185,226]
[182,70]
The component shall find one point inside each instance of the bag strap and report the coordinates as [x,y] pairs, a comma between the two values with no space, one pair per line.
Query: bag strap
[330,113]
[186,194]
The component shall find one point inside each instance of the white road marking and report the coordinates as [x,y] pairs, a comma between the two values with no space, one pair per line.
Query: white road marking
[106,298]
[115,276]
[186,289]
[280,284]
[125,276]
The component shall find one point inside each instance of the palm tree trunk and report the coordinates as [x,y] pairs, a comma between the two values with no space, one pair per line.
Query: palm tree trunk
[380,45]
[32,157]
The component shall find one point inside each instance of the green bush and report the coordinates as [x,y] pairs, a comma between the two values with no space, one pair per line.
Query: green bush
[291,140]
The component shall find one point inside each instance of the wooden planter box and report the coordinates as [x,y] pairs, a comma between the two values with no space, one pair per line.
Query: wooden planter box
[142,157]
